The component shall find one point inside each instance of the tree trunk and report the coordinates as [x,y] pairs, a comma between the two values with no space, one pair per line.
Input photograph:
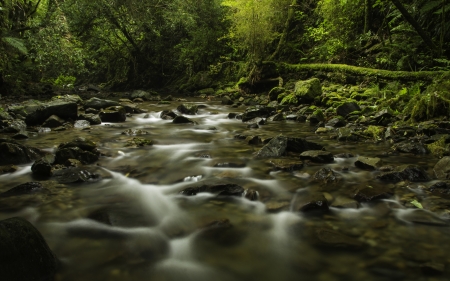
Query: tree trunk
[426,39]
[284,35]
[367,15]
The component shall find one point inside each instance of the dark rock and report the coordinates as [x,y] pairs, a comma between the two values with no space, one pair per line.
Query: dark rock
[258,121]
[226,100]
[53,122]
[367,163]
[441,187]
[219,189]
[411,173]
[182,120]
[327,176]
[167,115]
[189,109]
[21,135]
[25,188]
[168,98]
[139,94]
[15,126]
[24,254]
[372,194]
[336,123]
[36,113]
[408,146]
[131,108]
[346,134]
[331,238]
[6,169]
[97,103]
[82,124]
[442,168]
[310,202]
[382,115]
[347,108]
[253,140]
[81,149]
[251,194]
[287,165]
[138,142]
[232,115]
[317,156]
[68,98]
[80,174]
[253,126]
[257,111]
[275,92]
[277,117]
[91,111]
[15,153]
[280,145]
[134,132]
[229,165]
[43,167]
[113,114]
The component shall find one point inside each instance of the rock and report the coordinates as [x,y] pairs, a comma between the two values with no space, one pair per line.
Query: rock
[372,194]
[139,94]
[68,98]
[421,216]
[98,104]
[134,132]
[367,163]
[53,122]
[411,173]
[25,188]
[6,169]
[81,149]
[15,126]
[138,142]
[310,202]
[229,165]
[219,190]
[275,92]
[43,167]
[277,117]
[330,238]
[345,202]
[131,108]
[16,154]
[4,116]
[257,111]
[21,135]
[251,194]
[327,176]
[346,134]
[280,145]
[167,115]
[347,108]
[287,165]
[440,188]
[93,119]
[226,100]
[36,113]
[113,114]
[317,156]
[336,123]
[306,91]
[442,168]
[24,253]
[182,120]
[80,174]
[253,140]
[383,115]
[408,146]
[189,109]
[82,124]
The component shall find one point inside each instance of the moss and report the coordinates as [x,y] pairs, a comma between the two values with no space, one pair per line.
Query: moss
[137,142]
[242,81]
[319,114]
[439,148]
[376,132]
[290,99]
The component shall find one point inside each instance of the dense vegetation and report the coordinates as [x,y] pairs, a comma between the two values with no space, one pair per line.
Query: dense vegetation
[153,44]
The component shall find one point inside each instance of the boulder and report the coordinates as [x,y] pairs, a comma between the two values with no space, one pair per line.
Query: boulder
[327,176]
[24,254]
[347,108]
[441,187]
[411,173]
[113,114]
[14,126]
[257,111]
[53,122]
[42,168]
[367,163]
[25,188]
[97,103]
[280,145]
[182,120]
[372,194]
[317,156]
[139,94]
[80,149]
[82,124]
[218,189]
[306,91]
[408,146]
[442,168]
[15,153]
[92,118]
[226,100]
[80,174]
[167,115]
[346,134]
[310,202]
[36,113]
[189,109]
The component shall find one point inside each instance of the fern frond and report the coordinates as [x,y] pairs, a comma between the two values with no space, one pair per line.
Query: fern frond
[16,43]
[429,6]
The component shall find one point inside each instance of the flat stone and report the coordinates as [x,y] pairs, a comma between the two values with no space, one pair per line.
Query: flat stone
[310,202]
[372,194]
[367,163]
[411,173]
[317,156]
[442,168]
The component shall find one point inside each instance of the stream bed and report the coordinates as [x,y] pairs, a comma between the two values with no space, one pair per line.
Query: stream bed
[134,224]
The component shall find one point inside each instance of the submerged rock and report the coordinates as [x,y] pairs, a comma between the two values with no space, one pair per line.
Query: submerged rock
[189,109]
[16,154]
[442,168]
[25,188]
[331,238]
[367,163]
[53,122]
[80,149]
[287,165]
[182,120]
[372,194]
[310,202]
[43,167]
[167,115]
[412,173]
[24,253]
[219,190]
[327,176]
[80,174]
[317,156]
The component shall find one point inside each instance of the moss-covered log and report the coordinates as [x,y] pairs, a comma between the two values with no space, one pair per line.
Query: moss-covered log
[365,72]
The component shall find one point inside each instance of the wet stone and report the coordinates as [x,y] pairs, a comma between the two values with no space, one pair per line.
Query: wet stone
[310,202]
[134,132]
[80,174]
[15,126]
[442,168]
[440,188]
[317,156]
[372,194]
[8,169]
[345,202]
[347,108]
[25,188]
[336,123]
[257,111]
[219,190]
[367,163]
[43,167]
[346,134]
[167,115]
[82,124]
[113,114]
[277,206]
[410,147]
[287,165]
[98,104]
[229,165]
[21,135]
[16,154]
[251,194]
[182,120]
[189,109]
[253,140]
[93,119]
[411,173]
[327,176]
[330,238]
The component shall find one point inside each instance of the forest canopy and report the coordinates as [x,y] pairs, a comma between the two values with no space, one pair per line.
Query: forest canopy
[127,44]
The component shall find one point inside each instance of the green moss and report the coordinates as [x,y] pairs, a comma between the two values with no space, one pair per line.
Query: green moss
[439,148]
[290,99]
[137,142]
[376,132]
[319,114]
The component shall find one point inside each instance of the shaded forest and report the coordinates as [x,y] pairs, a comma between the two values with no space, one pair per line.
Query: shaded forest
[129,44]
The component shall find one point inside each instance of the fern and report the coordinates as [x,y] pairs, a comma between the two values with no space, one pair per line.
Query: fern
[430,6]
[16,43]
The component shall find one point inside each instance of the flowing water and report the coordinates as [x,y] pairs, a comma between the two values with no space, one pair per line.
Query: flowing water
[154,233]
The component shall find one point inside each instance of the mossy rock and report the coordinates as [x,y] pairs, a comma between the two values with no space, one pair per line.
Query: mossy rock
[207,91]
[290,99]
[275,92]
[306,91]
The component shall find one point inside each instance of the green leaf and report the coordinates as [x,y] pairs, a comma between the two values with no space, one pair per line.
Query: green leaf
[417,204]
[16,43]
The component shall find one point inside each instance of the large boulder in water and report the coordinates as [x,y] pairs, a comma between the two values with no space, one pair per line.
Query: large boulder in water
[113,114]
[257,111]
[12,152]
[80,149]
[24,254]
[189,109]
[280,145]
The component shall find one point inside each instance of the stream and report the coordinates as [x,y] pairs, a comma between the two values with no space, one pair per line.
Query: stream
[135,225]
